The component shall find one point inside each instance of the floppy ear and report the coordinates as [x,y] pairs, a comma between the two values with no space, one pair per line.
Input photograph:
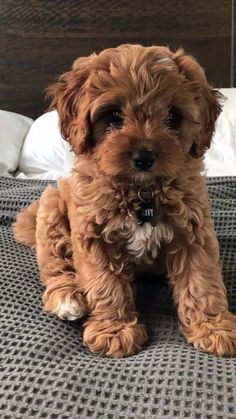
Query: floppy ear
[67,96]
[207,98]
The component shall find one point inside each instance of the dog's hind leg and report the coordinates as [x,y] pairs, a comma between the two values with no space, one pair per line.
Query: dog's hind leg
[55,257]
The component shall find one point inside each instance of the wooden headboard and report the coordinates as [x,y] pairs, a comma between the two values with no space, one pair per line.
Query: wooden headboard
[39,39]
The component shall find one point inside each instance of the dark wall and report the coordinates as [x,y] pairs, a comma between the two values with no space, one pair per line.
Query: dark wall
[39,39]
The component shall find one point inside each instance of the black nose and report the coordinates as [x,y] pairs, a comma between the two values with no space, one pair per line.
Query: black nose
[143,159]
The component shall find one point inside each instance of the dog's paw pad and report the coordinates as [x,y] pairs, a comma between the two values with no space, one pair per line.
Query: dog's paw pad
[69,310]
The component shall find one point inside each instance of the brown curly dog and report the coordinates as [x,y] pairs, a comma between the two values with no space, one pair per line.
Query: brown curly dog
[139,121]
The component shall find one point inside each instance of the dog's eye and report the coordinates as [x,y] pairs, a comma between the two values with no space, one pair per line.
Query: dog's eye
[174,119]
[114,118]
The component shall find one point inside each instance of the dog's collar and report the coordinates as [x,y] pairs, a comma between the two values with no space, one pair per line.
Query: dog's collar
[147,208]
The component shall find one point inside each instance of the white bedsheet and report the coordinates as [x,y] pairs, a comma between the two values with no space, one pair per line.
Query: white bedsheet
[13,131]
[221,157]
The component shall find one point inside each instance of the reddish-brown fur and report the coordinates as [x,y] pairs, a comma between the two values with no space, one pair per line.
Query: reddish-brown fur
[87,237]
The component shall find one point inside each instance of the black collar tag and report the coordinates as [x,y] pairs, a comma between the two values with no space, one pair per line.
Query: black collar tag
[147,212]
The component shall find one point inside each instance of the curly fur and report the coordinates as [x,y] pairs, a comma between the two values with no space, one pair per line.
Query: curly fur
[89,242]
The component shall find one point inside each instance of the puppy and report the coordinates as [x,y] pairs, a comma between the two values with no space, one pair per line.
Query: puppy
[139,121]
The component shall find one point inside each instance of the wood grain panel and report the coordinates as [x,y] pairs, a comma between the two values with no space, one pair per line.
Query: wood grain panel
[39,39]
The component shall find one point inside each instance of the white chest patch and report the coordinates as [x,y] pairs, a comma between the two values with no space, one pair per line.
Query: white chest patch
[147,239]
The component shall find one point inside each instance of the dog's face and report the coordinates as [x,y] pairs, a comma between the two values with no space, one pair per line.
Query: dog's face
[139,113]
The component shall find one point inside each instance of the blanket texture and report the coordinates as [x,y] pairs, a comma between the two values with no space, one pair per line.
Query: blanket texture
[46,372]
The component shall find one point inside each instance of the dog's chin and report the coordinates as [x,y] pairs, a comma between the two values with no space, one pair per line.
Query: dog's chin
[144,177]
[139,177]
[153,176]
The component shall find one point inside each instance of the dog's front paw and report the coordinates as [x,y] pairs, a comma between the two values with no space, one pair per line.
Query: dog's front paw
[65,306]
[216,336]
[114,339]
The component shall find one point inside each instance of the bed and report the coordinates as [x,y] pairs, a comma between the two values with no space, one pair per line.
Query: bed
[45,371]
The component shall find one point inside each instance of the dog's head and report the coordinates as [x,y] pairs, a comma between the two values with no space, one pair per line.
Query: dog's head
[139,112]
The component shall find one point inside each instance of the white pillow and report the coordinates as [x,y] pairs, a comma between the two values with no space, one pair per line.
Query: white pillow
[45,154]
[220,159]
[13,130]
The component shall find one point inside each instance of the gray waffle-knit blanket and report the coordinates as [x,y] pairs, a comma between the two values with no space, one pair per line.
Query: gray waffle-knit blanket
[46,372]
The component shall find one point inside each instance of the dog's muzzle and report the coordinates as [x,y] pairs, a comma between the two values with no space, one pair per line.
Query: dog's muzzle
[143,159]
